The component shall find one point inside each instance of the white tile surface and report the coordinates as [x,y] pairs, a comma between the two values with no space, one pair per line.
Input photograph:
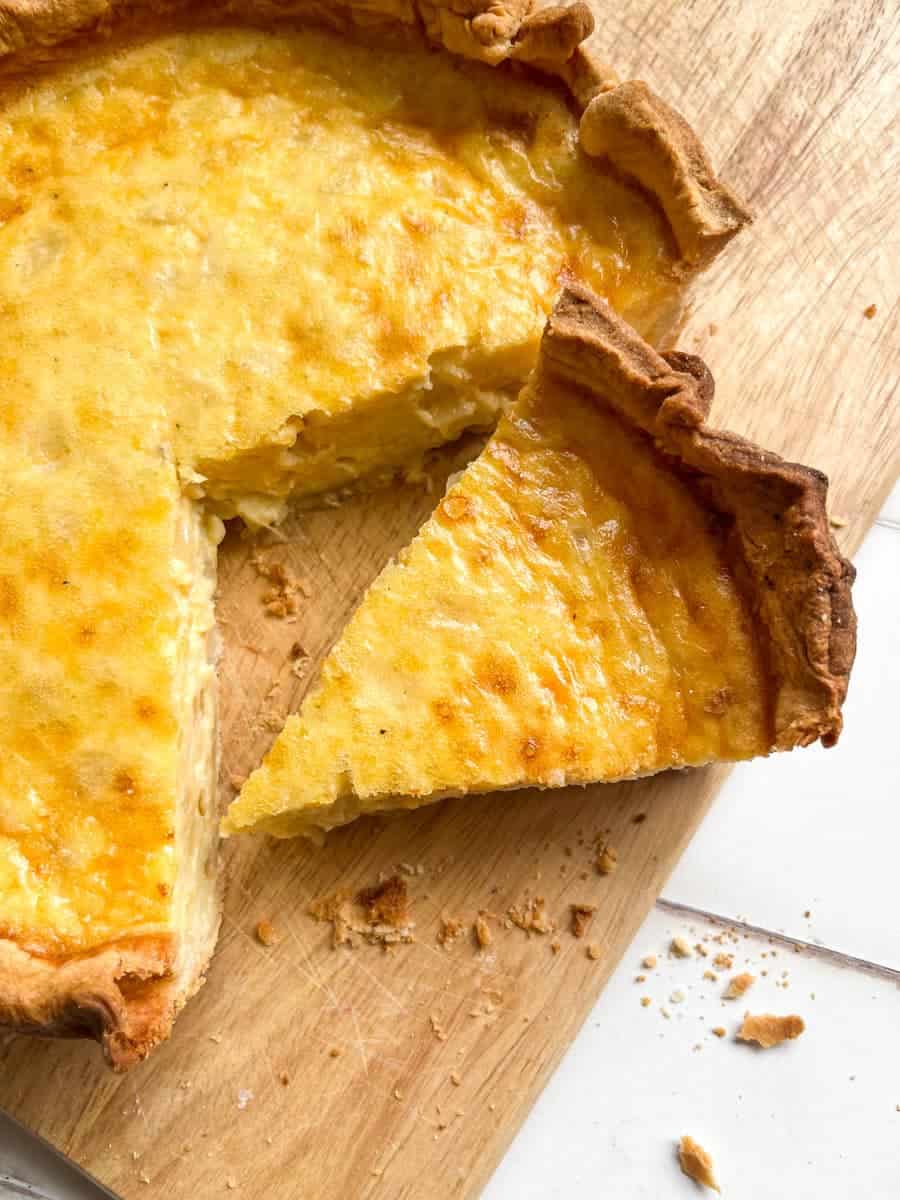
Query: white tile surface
[891,510]
[819,830]
[815,1118]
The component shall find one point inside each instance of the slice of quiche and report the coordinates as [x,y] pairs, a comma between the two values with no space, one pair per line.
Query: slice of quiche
[243,260]
[612,589]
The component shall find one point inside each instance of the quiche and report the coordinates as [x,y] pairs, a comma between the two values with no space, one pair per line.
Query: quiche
[610,590]
[253,252]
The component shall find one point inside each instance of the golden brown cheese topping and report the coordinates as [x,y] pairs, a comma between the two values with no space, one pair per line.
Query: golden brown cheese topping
[281,229]
[215,245]
[567,615]
[89,622]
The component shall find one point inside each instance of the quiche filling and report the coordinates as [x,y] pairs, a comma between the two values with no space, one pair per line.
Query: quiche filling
[321,259]
[568,615]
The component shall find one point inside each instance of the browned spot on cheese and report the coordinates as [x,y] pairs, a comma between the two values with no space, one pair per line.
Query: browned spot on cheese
[394,341]
[124,783]
[9,599]
[457,507]
[443,710]
[87,634]
[530,747]
[497,676]
[10,209]
[146,709]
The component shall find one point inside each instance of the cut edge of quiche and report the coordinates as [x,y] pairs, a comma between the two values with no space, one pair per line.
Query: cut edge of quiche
[127,991]
[612,589]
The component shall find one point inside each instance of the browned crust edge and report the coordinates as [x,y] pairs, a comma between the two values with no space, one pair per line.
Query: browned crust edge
[625,124]
[798,584]
[123,995]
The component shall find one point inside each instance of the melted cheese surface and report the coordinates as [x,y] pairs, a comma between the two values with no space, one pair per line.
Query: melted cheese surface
[267,262]
[279,229]
[566,616]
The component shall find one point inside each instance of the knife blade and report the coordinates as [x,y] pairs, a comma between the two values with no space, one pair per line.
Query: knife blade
[31,1167]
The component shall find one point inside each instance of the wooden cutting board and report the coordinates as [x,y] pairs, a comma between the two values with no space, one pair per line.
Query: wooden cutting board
[303,1071]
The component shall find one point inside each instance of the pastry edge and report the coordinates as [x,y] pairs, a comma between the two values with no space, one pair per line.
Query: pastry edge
[796,580]
[125,994]
[625,124]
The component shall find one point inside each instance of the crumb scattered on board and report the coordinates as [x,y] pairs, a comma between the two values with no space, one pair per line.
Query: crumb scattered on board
[680,947]
[449,930]
[696,1163]
[482,931]
[581,916]
[739,985]
[593,951]
[648,961]
[837,522]
[384,919]
[767,1030]
[607,859]
[266,933]
[532,916]
[719,1030]
[281,599]
[869,311]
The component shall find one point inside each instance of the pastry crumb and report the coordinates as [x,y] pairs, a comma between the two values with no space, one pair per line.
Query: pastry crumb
[646,1001]
[696,1163]
[532,916]
[711,976]
[593,951]
[677,997]
[767,1030]
[724,961]
[837,522]
[335,1052]
[397,1094]
[455,1078]
[266,933]
[581,916]
[386,902]
[680,947]
[607,859]
[449,930]
[281,599]
[437,1029]
[739,985]
[555,946]
[482,931]
[719,1030]
[869,311]
[649,961]
[385,919]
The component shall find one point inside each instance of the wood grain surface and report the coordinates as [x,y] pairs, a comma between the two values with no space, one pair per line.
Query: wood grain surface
[306,1072]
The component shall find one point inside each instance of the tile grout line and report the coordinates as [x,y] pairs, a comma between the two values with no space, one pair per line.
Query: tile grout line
[836,957]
